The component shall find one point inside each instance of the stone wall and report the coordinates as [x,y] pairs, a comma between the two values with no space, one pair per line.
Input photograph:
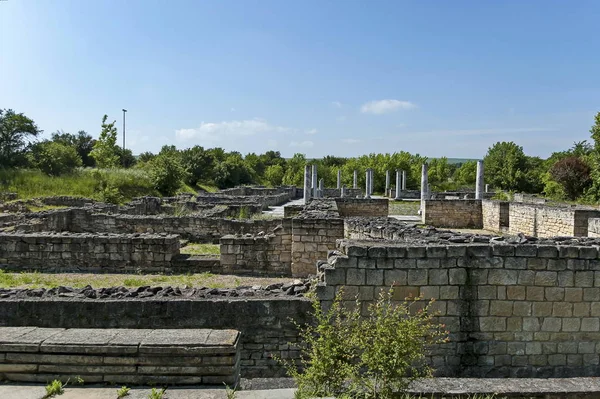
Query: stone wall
[453,213]
[88,253]
[593,227]
[269,254]
[311,240]
[512,310]
[495,215]
[547,221]
[265,324]
[193,227]
[348,207]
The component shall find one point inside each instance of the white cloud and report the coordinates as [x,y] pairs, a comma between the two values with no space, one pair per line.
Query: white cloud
[385,106]
[302,144]
[227,130]
[312,131]
[351,141]
[336,104]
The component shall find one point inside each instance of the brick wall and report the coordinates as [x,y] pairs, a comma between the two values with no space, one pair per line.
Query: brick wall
[495,215]
[311,240]
[453,213]
[266,324]
[269,254]
[512,310]
[547,221]
[88,253]
[348,207]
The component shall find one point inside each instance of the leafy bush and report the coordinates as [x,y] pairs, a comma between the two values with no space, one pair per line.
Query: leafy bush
[105,148]
[375,356]
[573,175]
[54,158]
[166,174]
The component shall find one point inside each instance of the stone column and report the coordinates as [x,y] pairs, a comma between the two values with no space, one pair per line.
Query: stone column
[339,179]
[355,185]
[403,180]
[321,188]
[398,183]
[307,184]
[424,186]
[315,182]
[479,181]
[387,183]
[487,188]
[343,191]
[368,184]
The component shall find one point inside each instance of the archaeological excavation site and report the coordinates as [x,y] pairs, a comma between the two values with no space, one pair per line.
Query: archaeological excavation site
[516,283]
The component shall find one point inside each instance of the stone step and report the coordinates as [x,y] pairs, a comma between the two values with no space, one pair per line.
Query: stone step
[129,356]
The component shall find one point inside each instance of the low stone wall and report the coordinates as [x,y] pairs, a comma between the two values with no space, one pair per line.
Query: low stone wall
[123,356]
[528,198]
[367,207]
[193,227]
[291,191]
[547,221]
[337,193]
[495,215]
[512,310]
[88,253]
[265,324]
[453,213]
[269,254]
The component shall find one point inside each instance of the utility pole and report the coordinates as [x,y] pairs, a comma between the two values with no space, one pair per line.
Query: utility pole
[124,110]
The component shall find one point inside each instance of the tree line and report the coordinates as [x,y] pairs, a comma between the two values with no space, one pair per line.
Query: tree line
[573,174]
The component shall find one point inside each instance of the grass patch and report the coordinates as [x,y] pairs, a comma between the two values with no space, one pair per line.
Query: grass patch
[80,280]
[210,188]
[83,182]
[404,207]
[201,249]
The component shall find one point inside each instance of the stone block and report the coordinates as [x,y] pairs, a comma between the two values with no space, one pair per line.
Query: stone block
[573,294]
[581,309]
[535,293]
[377,252]
[355,277]
[503,250]
[522,308]
[457,276]
[566,279]
[375,277]
[591,294]
[526,251]
[486,292]
[547,251]
[436,251]
[492,324]
[395,277]
[546,278]
[430,292]
[590,324]
[502,277]
[515,292]
[456,251]
[478,251]
[501,308]
[356,251]
[551,324]
[449,292]
[335,277]
[396,252]
[562,309]
[571,324]
[478,276]
[416,252]
[553,294]
[417,277]
[438,277]
[584,278]
[567,251]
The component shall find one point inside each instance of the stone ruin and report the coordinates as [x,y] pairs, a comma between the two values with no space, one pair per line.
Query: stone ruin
[520,300]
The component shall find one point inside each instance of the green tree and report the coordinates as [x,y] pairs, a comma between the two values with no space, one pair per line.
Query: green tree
[505,166]
[573,175]
[198,165]
[294,171]
[466,175]
[105,151]
[274,175]
[166,173]
[593,193]
[54,158]
[126,158]
[82,142]
[14,130]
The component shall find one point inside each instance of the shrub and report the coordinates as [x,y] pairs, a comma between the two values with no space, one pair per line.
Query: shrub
[373,356]
[166,174]
[54,158]
[573,175]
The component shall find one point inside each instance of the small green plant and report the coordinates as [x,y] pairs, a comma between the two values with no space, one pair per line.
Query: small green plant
[230,392]
[244,213]
[79,380]
[122,392]
[54,388]
[372,356]
[157,394]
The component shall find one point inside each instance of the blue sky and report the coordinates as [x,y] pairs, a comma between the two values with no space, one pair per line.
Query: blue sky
[443,78]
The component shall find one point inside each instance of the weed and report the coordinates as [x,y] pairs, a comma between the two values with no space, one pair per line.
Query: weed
[122,392]
[79,380]
[54,388]
[244,213]
[230,392]
[156,394]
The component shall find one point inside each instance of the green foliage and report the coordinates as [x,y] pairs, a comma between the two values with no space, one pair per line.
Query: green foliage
[573,175]
[506,166]
[54,388]
[82,142]
[244,213]
[54,158]
[166,173]
[157,394]
[126,158]
[14,130]
[274,175]
[122,392]
[294,174]
[371,357]
[230,392]
[466,175]
[105,150]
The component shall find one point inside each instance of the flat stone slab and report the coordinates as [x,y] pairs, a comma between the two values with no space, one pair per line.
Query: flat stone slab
[25,339]
[190,342]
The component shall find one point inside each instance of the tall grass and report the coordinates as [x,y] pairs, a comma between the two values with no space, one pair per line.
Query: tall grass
[82,183]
